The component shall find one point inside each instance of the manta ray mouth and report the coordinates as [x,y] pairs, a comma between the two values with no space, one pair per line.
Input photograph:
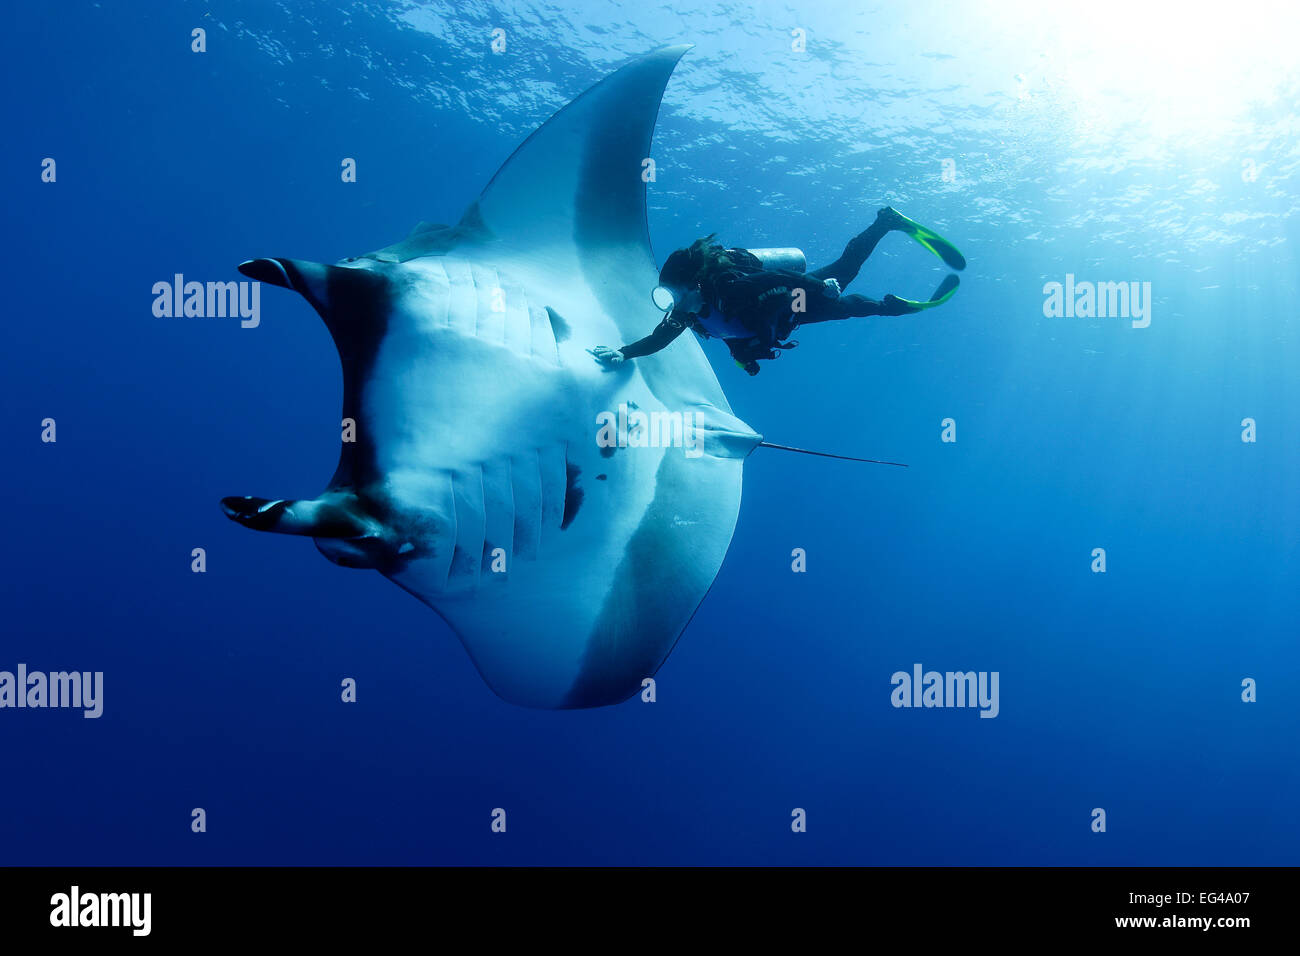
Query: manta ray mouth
[267,270]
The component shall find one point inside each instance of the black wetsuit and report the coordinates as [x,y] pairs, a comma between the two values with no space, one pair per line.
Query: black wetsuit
[752,309]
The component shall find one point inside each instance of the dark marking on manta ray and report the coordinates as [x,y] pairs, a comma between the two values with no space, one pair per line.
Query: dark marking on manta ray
[607,451]
[573,495]
[462,563]
[559,326]
[601,477]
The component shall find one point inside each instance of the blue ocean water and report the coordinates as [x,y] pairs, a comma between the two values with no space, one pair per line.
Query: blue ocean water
[1098,141]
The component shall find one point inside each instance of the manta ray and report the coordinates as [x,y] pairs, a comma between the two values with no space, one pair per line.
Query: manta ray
[567,566]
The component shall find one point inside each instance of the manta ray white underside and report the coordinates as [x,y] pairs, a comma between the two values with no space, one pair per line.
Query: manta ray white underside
[476,407]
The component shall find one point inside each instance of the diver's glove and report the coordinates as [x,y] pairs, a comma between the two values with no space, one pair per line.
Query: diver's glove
[608,357]
[831,288]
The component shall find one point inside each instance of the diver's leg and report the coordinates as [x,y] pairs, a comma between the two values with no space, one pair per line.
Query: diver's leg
[851,306]
[845,269]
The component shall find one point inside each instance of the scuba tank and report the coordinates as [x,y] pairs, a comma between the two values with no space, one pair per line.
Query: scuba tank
[719,325]
[714,322]
[789,259]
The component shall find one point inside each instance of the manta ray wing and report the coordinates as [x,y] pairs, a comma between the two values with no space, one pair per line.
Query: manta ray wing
[567,567]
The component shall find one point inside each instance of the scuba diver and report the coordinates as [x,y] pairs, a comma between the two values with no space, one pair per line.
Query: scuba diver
[754,299]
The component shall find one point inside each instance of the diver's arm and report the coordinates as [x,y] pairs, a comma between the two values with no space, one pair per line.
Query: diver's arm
[663,334]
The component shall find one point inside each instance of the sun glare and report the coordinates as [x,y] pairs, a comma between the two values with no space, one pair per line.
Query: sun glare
[1180,70]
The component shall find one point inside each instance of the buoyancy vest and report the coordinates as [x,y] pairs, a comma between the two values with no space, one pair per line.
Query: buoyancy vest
[718,324]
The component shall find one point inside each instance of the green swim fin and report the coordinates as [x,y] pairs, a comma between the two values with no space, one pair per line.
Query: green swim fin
[930,239]
[941,295]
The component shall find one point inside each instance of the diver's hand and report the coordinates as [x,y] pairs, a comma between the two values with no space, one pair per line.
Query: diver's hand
[831,288]
[610,358]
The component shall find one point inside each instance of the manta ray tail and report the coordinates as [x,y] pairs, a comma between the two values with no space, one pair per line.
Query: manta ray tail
[826,454]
